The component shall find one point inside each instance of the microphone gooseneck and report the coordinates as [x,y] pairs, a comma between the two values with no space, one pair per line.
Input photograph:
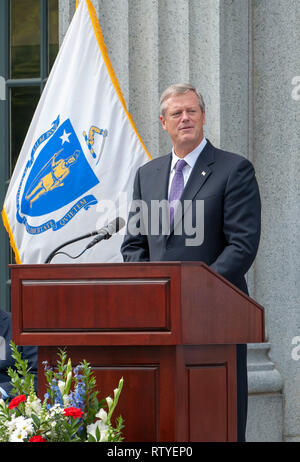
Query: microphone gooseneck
[102,234]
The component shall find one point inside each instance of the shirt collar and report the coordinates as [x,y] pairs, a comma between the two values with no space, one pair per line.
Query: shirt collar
[191,157]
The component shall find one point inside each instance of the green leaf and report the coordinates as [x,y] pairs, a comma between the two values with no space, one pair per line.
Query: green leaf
[98,434]
[91,439]
[116,399]
[36,420]
[21,380]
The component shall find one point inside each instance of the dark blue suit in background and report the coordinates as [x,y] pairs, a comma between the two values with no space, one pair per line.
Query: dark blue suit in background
[232,219]
[28,352]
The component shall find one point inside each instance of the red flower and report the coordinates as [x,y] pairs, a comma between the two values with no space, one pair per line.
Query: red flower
[37,439]
[16,401]
[74,412]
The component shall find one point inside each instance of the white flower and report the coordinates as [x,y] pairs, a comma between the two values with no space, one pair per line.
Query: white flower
[14,422]
[103,429]
[55,409]
[33,406]
[19,428]
[18,436]
[10,424]
[67,400]
[102,414]
[24,424]
[109,402]
[68,381]
[61,385]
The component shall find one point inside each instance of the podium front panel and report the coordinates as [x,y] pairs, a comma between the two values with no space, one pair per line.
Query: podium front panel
[170,393]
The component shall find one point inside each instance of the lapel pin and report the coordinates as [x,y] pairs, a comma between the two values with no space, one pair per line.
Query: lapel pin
[203,173]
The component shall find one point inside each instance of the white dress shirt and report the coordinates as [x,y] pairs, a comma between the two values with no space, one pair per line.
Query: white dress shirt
[190,159]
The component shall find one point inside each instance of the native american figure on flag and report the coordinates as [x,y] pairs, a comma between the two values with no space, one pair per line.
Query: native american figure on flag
[54,179]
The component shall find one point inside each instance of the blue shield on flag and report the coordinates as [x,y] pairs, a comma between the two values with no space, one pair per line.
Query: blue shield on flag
[59,175]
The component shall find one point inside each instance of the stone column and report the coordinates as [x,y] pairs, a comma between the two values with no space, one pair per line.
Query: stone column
[265,404]
[239,134]
[276,117]
[66,9]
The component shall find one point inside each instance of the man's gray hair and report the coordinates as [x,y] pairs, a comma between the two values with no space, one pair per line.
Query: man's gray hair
[179,89]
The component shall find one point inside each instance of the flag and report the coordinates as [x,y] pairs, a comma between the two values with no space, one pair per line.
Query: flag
[77,164]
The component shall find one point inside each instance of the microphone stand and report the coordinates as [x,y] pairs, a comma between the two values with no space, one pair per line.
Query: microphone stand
[52,254]
[103,233]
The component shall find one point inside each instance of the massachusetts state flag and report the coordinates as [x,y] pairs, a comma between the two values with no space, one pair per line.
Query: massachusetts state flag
[76,168]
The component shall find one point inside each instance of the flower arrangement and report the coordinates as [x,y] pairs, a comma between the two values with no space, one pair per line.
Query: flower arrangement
[70,411]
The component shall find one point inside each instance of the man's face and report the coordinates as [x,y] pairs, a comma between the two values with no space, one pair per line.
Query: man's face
[184,121]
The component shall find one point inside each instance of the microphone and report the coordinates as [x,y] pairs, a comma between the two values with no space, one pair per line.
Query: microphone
[103,233]
[107,231]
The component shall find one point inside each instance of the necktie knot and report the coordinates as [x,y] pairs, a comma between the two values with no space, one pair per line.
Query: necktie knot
[179,166]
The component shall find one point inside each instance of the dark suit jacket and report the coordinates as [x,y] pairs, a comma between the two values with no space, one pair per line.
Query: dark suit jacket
[226,183]
[28,352]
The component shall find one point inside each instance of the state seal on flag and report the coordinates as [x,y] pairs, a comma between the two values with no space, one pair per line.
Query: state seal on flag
[56,175]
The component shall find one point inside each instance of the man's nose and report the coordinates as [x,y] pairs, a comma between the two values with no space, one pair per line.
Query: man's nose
[185,115]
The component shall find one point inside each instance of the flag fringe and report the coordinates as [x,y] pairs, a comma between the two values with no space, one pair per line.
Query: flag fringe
[111,72]
[11,237]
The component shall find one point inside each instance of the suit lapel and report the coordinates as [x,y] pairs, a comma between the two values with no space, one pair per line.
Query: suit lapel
[200,173]
[198,177]
[162,179]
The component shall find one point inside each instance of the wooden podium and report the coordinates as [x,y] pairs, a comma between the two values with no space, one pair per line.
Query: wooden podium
[168,328]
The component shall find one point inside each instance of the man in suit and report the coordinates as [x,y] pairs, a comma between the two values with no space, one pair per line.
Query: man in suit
[28,353]
[223,182]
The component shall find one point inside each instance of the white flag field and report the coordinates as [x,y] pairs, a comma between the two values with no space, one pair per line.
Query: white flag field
[77,165]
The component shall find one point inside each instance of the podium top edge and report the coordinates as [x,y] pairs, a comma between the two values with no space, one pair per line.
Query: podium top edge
[152,263]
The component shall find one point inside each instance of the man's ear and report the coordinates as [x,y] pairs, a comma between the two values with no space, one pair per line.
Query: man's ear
[163,122]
